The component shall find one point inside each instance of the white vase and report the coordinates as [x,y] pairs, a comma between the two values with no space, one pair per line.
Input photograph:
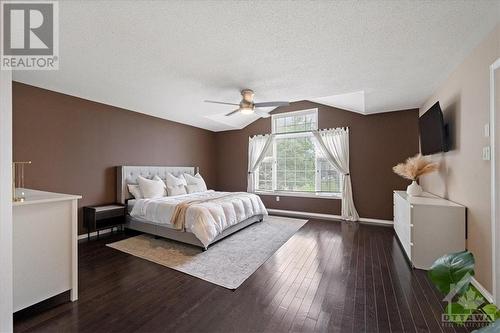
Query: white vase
[414,190]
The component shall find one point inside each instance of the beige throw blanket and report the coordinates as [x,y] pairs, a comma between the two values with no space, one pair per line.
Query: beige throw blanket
[179,215]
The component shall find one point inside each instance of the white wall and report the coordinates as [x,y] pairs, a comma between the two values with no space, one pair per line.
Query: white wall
[465,177]
[5,201]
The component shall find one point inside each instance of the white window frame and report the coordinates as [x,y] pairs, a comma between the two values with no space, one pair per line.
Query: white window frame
[291,114]
[274,192]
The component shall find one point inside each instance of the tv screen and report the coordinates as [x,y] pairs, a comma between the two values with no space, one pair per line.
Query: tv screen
[432,131]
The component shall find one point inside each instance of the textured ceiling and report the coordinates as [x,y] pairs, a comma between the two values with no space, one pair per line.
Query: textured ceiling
[164,58]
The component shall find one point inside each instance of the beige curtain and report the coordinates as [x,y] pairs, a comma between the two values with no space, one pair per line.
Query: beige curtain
[334,143]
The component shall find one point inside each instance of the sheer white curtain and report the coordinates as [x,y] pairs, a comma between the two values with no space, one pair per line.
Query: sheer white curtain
[257,147]
[334,143]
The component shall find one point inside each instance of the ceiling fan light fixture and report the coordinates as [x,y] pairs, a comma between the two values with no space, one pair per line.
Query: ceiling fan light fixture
[246,110]
[248,107]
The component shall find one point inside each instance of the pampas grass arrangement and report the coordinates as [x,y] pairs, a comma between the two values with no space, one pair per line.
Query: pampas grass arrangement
[415,167]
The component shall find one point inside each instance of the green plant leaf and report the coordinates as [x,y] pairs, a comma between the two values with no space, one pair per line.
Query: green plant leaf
[457,313]
[448,270]
[491,310]
[492,328]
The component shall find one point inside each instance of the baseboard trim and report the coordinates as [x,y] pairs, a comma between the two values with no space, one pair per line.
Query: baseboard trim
[385,223]
[486,294]
[293,213]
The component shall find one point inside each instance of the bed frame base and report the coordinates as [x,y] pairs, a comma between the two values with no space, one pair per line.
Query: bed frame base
[183,236]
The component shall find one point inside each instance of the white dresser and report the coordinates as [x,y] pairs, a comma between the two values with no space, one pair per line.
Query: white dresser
[44,242]
[428,227]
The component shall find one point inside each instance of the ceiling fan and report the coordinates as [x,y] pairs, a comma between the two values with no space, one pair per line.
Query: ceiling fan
[247,105]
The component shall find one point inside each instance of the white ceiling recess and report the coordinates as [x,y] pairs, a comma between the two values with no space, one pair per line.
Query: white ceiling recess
[354,101]
[163,58]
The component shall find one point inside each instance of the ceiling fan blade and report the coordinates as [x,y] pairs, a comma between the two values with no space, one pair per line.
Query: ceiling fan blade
[270,104]
[262,114]
[216,102]
[232,112]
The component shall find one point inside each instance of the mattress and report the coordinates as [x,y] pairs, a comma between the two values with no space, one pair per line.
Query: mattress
[130,207]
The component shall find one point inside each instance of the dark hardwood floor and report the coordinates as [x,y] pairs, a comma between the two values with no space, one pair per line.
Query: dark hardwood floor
[329,277]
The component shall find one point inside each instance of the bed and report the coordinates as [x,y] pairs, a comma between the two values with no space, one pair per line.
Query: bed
[211,217]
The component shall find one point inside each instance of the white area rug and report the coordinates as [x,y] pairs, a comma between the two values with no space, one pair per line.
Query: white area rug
[227,263]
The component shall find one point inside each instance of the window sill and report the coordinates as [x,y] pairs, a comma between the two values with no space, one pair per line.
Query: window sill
[337,196]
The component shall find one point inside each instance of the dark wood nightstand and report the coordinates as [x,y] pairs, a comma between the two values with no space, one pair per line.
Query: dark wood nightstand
[97,218]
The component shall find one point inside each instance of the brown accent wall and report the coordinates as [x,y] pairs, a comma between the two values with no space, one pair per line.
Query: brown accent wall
[75,144]
[377,142]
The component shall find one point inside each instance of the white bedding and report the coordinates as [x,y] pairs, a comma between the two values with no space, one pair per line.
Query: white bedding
[205,220]
[130,205]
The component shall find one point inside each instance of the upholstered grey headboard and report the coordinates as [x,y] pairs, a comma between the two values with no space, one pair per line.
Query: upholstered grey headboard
[128,175]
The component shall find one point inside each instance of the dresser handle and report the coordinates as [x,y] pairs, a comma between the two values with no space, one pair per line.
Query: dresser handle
[411,244]
[411,225]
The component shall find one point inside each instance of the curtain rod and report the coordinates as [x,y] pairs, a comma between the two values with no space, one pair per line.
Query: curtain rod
[310,131]
[299,132]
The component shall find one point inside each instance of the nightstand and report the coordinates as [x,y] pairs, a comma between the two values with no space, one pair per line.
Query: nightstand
[97,218]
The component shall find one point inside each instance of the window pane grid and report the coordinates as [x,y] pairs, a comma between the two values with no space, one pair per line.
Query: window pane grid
[295,164]
[295,122]
[265,175]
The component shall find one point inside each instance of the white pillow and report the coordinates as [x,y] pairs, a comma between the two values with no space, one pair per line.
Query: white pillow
[151,188]
[135,191]
[195,183]
[176,185]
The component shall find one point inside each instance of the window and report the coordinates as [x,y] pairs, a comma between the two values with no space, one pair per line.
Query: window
[265,172]
[295,121]
[292,163]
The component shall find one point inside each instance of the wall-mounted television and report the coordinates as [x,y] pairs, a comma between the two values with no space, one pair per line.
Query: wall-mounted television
[433,131]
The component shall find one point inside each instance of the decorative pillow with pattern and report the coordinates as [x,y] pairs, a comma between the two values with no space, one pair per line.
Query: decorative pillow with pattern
[195,183]
[176,185]
[135,191]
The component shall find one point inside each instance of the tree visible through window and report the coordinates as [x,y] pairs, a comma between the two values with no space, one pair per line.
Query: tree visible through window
[292,163]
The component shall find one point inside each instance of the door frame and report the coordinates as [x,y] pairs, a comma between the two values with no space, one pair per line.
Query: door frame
[6,294]
[495,183]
